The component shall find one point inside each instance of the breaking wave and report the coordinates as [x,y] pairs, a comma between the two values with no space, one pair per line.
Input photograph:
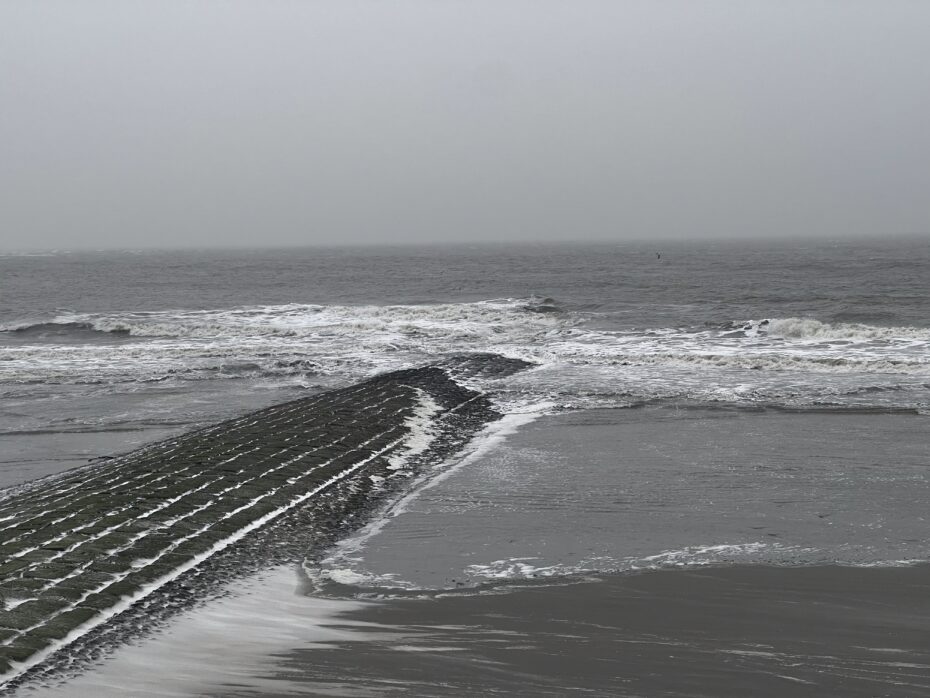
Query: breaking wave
[810,328]
[500,576]
[765,361]
[300,320]
[56,329]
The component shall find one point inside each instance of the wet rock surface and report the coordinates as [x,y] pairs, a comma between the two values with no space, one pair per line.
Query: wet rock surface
[92,556]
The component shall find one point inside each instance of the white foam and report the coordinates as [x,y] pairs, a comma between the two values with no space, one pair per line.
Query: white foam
[810,328]
[752,653]
[421,432]
[11,602]
[343,576]
[692,554]
[908,562]
[294,319]
[284,340]
[791,361]
[516,568]
[519,568]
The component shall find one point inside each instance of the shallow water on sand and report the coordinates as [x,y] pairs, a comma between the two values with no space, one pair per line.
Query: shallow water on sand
[620,490]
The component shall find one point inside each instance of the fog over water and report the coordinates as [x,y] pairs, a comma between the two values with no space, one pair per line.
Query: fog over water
[127,124]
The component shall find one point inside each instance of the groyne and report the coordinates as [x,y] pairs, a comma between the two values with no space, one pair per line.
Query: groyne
[135,536]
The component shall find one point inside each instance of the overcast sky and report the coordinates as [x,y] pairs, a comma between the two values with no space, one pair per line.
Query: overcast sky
[168,123]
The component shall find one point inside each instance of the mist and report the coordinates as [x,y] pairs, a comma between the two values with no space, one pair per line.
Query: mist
[175,124]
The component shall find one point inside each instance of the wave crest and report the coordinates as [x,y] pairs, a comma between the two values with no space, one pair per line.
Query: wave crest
[56,328]
[297,320]
[809,328]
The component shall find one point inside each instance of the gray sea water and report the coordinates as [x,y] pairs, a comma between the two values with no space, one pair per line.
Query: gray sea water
[689,405]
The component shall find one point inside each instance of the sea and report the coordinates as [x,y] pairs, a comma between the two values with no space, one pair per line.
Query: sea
[689,407]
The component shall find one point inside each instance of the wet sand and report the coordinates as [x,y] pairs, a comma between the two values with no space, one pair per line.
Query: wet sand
[720,631]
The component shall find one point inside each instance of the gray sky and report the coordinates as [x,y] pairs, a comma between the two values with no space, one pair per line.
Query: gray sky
[273,122]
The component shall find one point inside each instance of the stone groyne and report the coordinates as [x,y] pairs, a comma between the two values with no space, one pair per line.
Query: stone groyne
[136,535]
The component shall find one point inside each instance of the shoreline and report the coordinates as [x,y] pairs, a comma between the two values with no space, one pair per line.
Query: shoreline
[711,632]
